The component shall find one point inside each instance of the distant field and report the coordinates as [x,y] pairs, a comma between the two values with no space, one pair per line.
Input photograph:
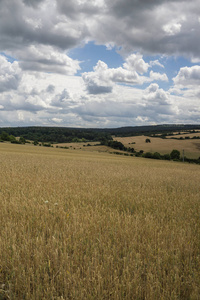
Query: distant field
[76,145]
[185,135]
[88,146]
[163,146]
[88,225]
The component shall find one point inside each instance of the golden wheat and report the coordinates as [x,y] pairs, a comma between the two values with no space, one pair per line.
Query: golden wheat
[78,225]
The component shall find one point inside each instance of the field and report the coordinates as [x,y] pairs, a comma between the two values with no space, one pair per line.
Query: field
[89,146]
[184,134]
[163,146]
[88,225]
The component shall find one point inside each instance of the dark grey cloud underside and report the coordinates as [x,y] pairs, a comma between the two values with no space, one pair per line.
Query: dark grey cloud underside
[133,25]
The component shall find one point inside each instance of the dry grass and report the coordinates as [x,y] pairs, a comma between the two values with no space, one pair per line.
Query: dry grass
[163,146]
[80,225]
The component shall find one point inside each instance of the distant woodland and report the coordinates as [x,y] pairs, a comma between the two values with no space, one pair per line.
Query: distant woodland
[67,135]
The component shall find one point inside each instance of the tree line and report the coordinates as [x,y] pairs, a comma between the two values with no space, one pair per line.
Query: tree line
[69,134]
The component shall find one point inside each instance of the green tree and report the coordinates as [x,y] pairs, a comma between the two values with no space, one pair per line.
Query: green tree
[147,141]
[4,136]
[156,155]
[175,154]
[148,155]
[22,140]
[12,139]
[35,143]
[166,157]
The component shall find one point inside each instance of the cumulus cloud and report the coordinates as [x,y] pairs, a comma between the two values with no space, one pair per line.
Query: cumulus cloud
[188,76]
[157,103]
[39,95]
[129,106]
[158,76]
[44,58]
[156,95]
[39,35]
[65,24]
[98,82]
[62,99]
[50,89]
[40,100]
[37,24]
[172,28]
[135,62]
[10,74]
[154,15]
[102,80]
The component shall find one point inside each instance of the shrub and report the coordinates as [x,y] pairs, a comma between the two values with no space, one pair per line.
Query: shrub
[47,145]
[166,157]
[116,145]
[22,140]
[15,142]
[132,150]
[138,154]
[148,155]
[156,155]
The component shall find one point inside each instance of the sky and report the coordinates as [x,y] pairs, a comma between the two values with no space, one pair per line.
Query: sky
[100,63]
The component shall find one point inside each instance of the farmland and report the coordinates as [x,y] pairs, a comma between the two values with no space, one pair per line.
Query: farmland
[164,146]
[88,225]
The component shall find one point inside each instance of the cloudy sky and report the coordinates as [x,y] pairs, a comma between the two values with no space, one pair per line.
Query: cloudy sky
[99,63]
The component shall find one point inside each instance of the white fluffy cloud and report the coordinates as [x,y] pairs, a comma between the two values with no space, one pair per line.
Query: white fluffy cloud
[44,58]
[102,80]
[155,95]
[172,28]
[135,62]
[10,75]
[58,99]
[187,85]
[158,76]
[99,81]
[188,76]
[39,87]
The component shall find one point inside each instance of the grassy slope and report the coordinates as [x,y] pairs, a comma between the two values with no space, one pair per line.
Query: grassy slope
[82,225]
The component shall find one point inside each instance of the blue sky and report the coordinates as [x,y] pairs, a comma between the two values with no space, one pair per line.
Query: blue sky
[99,64]
[90,53]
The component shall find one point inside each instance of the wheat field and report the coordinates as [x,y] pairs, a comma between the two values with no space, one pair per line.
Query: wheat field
[78,225]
